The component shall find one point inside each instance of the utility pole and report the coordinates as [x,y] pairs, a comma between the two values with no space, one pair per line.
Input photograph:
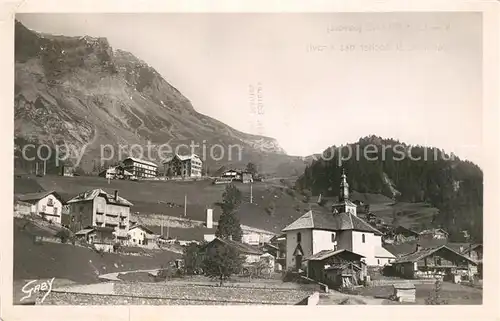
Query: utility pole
[44,167]
[36,168]
[185,204]
[251,193]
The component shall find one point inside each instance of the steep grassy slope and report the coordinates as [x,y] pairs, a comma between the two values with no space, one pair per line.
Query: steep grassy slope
[79,91]
[65,261]
[274,205]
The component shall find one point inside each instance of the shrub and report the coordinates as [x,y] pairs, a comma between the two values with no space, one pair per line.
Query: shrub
[63,235]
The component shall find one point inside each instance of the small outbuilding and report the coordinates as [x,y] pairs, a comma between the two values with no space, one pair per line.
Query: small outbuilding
[404,292]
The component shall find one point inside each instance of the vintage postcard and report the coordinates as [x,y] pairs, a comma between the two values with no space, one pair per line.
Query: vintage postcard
[263,158]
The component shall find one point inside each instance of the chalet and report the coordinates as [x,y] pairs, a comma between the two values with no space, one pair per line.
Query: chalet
[141,236]
[101,237]
[116,172]
[401,234]
[48,205]
[183,166]
[336,268]
[339,229]
[436,233]
[97,208]
[277,247]
[249,253]
[441,261]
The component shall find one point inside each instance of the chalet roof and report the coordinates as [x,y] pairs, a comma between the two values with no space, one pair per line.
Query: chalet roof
[433,231]
[138,160]
[91,194]
[322,255]
[85,231]
[142,227]
[38,196]
[181,157]
[416,256]
[402,249]
[241,247]
[331,221]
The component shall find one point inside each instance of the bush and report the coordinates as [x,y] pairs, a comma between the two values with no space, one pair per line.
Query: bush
[63,235]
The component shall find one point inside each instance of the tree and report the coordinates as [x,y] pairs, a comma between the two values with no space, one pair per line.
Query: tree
[251,168]
[229,224]
[192,258]
[221,262]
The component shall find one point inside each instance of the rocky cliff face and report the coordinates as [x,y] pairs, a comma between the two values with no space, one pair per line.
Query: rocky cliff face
[79,91]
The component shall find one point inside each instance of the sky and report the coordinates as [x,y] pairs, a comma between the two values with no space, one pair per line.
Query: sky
[312,80]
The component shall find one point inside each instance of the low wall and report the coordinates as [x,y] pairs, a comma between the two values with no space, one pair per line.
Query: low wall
[402,281]
[122,293]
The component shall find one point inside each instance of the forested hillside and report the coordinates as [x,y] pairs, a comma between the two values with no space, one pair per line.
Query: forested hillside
[407,174]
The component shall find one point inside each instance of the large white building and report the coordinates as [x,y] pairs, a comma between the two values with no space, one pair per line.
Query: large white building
[140,168]
[339,229]
[183,166]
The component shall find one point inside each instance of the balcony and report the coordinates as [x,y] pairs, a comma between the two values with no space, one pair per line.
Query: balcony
[112,214]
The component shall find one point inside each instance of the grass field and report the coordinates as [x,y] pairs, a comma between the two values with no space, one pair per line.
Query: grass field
[274,205]
[78,264]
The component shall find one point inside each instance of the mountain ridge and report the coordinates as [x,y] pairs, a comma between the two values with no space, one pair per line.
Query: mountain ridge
[81,91]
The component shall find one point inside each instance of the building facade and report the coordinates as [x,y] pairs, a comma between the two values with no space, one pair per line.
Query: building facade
[141,236]
[183,166]
[339,229]
[49,205]
[96,208]
[140,168]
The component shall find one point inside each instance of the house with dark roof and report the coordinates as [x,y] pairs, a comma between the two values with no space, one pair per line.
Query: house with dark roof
[47,204]
[440,261]
[97,208]
[250,253]
[341,228]
[336,268]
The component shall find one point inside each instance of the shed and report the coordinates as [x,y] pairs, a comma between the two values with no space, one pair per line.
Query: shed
[404,292]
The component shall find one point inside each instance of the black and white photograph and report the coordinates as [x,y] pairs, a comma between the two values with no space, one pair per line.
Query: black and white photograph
[248,158]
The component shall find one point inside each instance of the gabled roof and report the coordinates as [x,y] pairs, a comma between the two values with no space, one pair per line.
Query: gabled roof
[38,196]
[138,160]
[85,231]
[181,157]
[91,194]
[416,256]
[142,227]
[322,255]
[241,247]
[331,222]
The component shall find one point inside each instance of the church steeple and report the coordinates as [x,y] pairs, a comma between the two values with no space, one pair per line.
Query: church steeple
[344,188]
[344,205]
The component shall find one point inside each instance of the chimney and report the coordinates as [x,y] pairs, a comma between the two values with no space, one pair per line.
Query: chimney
[418,248]
[230,237]
[209,218]
[116,194]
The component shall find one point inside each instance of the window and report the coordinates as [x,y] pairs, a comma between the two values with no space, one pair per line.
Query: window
[55,210]
[299,237]
[333,237]
[378,261]
[50,202]
[363,238]
[44,208]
